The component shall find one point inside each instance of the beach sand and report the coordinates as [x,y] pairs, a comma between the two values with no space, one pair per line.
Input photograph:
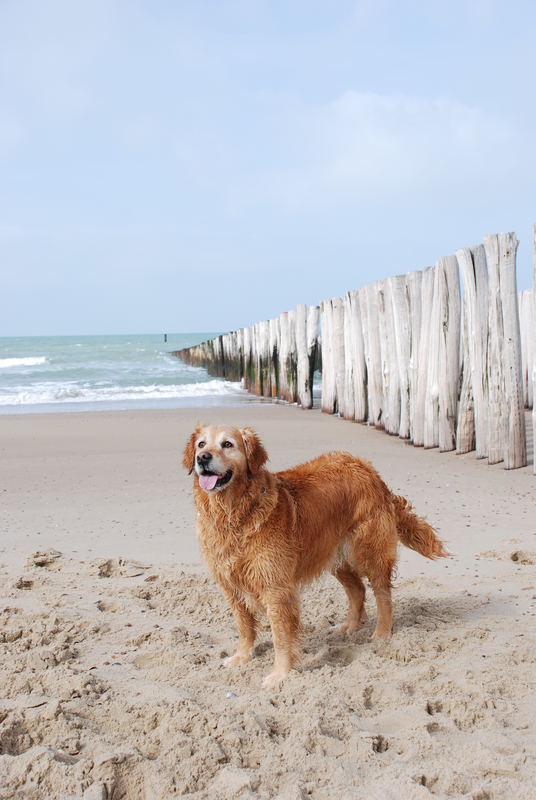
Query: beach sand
[113,636]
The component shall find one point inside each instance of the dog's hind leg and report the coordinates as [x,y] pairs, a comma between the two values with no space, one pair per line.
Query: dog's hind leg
[246,624]
[355,591]
[374,552]
[284,616]
[381,586]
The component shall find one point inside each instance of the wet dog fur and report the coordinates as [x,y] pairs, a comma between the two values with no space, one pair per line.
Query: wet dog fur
[264,535]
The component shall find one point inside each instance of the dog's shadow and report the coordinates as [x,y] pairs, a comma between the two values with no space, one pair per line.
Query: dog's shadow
[421,626]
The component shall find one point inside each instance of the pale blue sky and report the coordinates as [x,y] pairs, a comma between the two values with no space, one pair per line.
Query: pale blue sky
[182,166]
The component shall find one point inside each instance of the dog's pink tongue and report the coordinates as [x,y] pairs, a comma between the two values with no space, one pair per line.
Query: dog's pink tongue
[208,482]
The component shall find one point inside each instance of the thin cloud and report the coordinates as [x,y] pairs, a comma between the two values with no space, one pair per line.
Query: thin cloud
[364,147]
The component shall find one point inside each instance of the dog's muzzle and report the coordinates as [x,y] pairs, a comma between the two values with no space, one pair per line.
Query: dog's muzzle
[210,480]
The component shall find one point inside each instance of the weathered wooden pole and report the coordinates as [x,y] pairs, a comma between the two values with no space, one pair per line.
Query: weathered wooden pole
[274,346]
[347,402]
[287,359]
[303,389]
[306,318]
[527,344]
[465,429]
[474,273]
[338,348]
[374,364]
[402,334]
[449,350]
[329,386]
[431,405]
[413,299]
[533,336]
[354,354]
[248,377]
[531,344]
[390,372]
[313,342]
[496,408]
[427,294]
[263,357]
[515,443]
[522,309]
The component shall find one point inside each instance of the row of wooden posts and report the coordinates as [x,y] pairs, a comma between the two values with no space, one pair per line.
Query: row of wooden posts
[410,354]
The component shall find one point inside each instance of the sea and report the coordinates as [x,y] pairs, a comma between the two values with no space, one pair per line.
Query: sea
[91,373]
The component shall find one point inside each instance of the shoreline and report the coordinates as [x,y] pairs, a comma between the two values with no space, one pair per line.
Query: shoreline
[113,635]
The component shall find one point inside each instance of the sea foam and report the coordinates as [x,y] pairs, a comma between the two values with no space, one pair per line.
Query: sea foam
[55,392]
[29,361]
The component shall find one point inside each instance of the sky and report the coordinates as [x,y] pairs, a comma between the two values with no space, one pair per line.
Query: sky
[202,165]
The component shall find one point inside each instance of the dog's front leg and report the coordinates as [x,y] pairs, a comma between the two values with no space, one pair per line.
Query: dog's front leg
[246,624]
[284,616]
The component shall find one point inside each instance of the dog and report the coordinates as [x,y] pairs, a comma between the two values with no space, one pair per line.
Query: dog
[265,535]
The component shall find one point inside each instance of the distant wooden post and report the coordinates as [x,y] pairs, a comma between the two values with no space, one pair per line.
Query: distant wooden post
[427,294]
[449,350]
[528,344]
[375,375]
[274,346]
[347,402]
[495,365]
[531,344]
[402,333]
[533,336]
[338,348]
[413,298]
[474,273]
[218,356]
[329,388]
[431,406]
[389,366]
[523,322]
[313,339]
[515,443]
[263,355]
[465,429]
[355,386]
[287,359]
[248,366]
[305,347]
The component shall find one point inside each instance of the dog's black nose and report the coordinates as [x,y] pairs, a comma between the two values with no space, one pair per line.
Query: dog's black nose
[204,458]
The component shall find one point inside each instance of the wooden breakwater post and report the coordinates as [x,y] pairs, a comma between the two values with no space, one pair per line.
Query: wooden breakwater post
[527,322]
[406,354]
[307,338]
[274,358]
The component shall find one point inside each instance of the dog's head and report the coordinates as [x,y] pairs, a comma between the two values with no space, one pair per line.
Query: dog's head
[221,455]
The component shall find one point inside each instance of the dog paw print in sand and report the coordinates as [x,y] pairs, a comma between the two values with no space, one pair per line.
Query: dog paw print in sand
[118,568]
[45,558]
[523,556]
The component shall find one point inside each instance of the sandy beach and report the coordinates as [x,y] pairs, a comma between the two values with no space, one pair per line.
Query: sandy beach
[113,635]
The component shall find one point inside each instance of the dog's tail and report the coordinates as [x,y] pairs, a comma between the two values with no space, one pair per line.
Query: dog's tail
[415,532]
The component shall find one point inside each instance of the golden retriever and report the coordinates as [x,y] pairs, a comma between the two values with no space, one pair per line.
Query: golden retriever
[264,534]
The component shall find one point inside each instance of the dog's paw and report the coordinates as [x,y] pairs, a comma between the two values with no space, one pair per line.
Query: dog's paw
[385,635]
[351,627]
[237,660]
[273,679]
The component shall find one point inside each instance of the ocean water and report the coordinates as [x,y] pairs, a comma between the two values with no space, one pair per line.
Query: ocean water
[80,373]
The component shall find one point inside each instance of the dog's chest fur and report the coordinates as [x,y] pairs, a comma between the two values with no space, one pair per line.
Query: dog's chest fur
[234,543]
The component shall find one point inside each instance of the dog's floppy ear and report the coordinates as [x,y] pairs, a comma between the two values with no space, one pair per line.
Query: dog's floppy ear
[256,455]
[189,452]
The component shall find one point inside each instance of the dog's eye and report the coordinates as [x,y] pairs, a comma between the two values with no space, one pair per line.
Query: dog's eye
[227,444]
[201,445]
